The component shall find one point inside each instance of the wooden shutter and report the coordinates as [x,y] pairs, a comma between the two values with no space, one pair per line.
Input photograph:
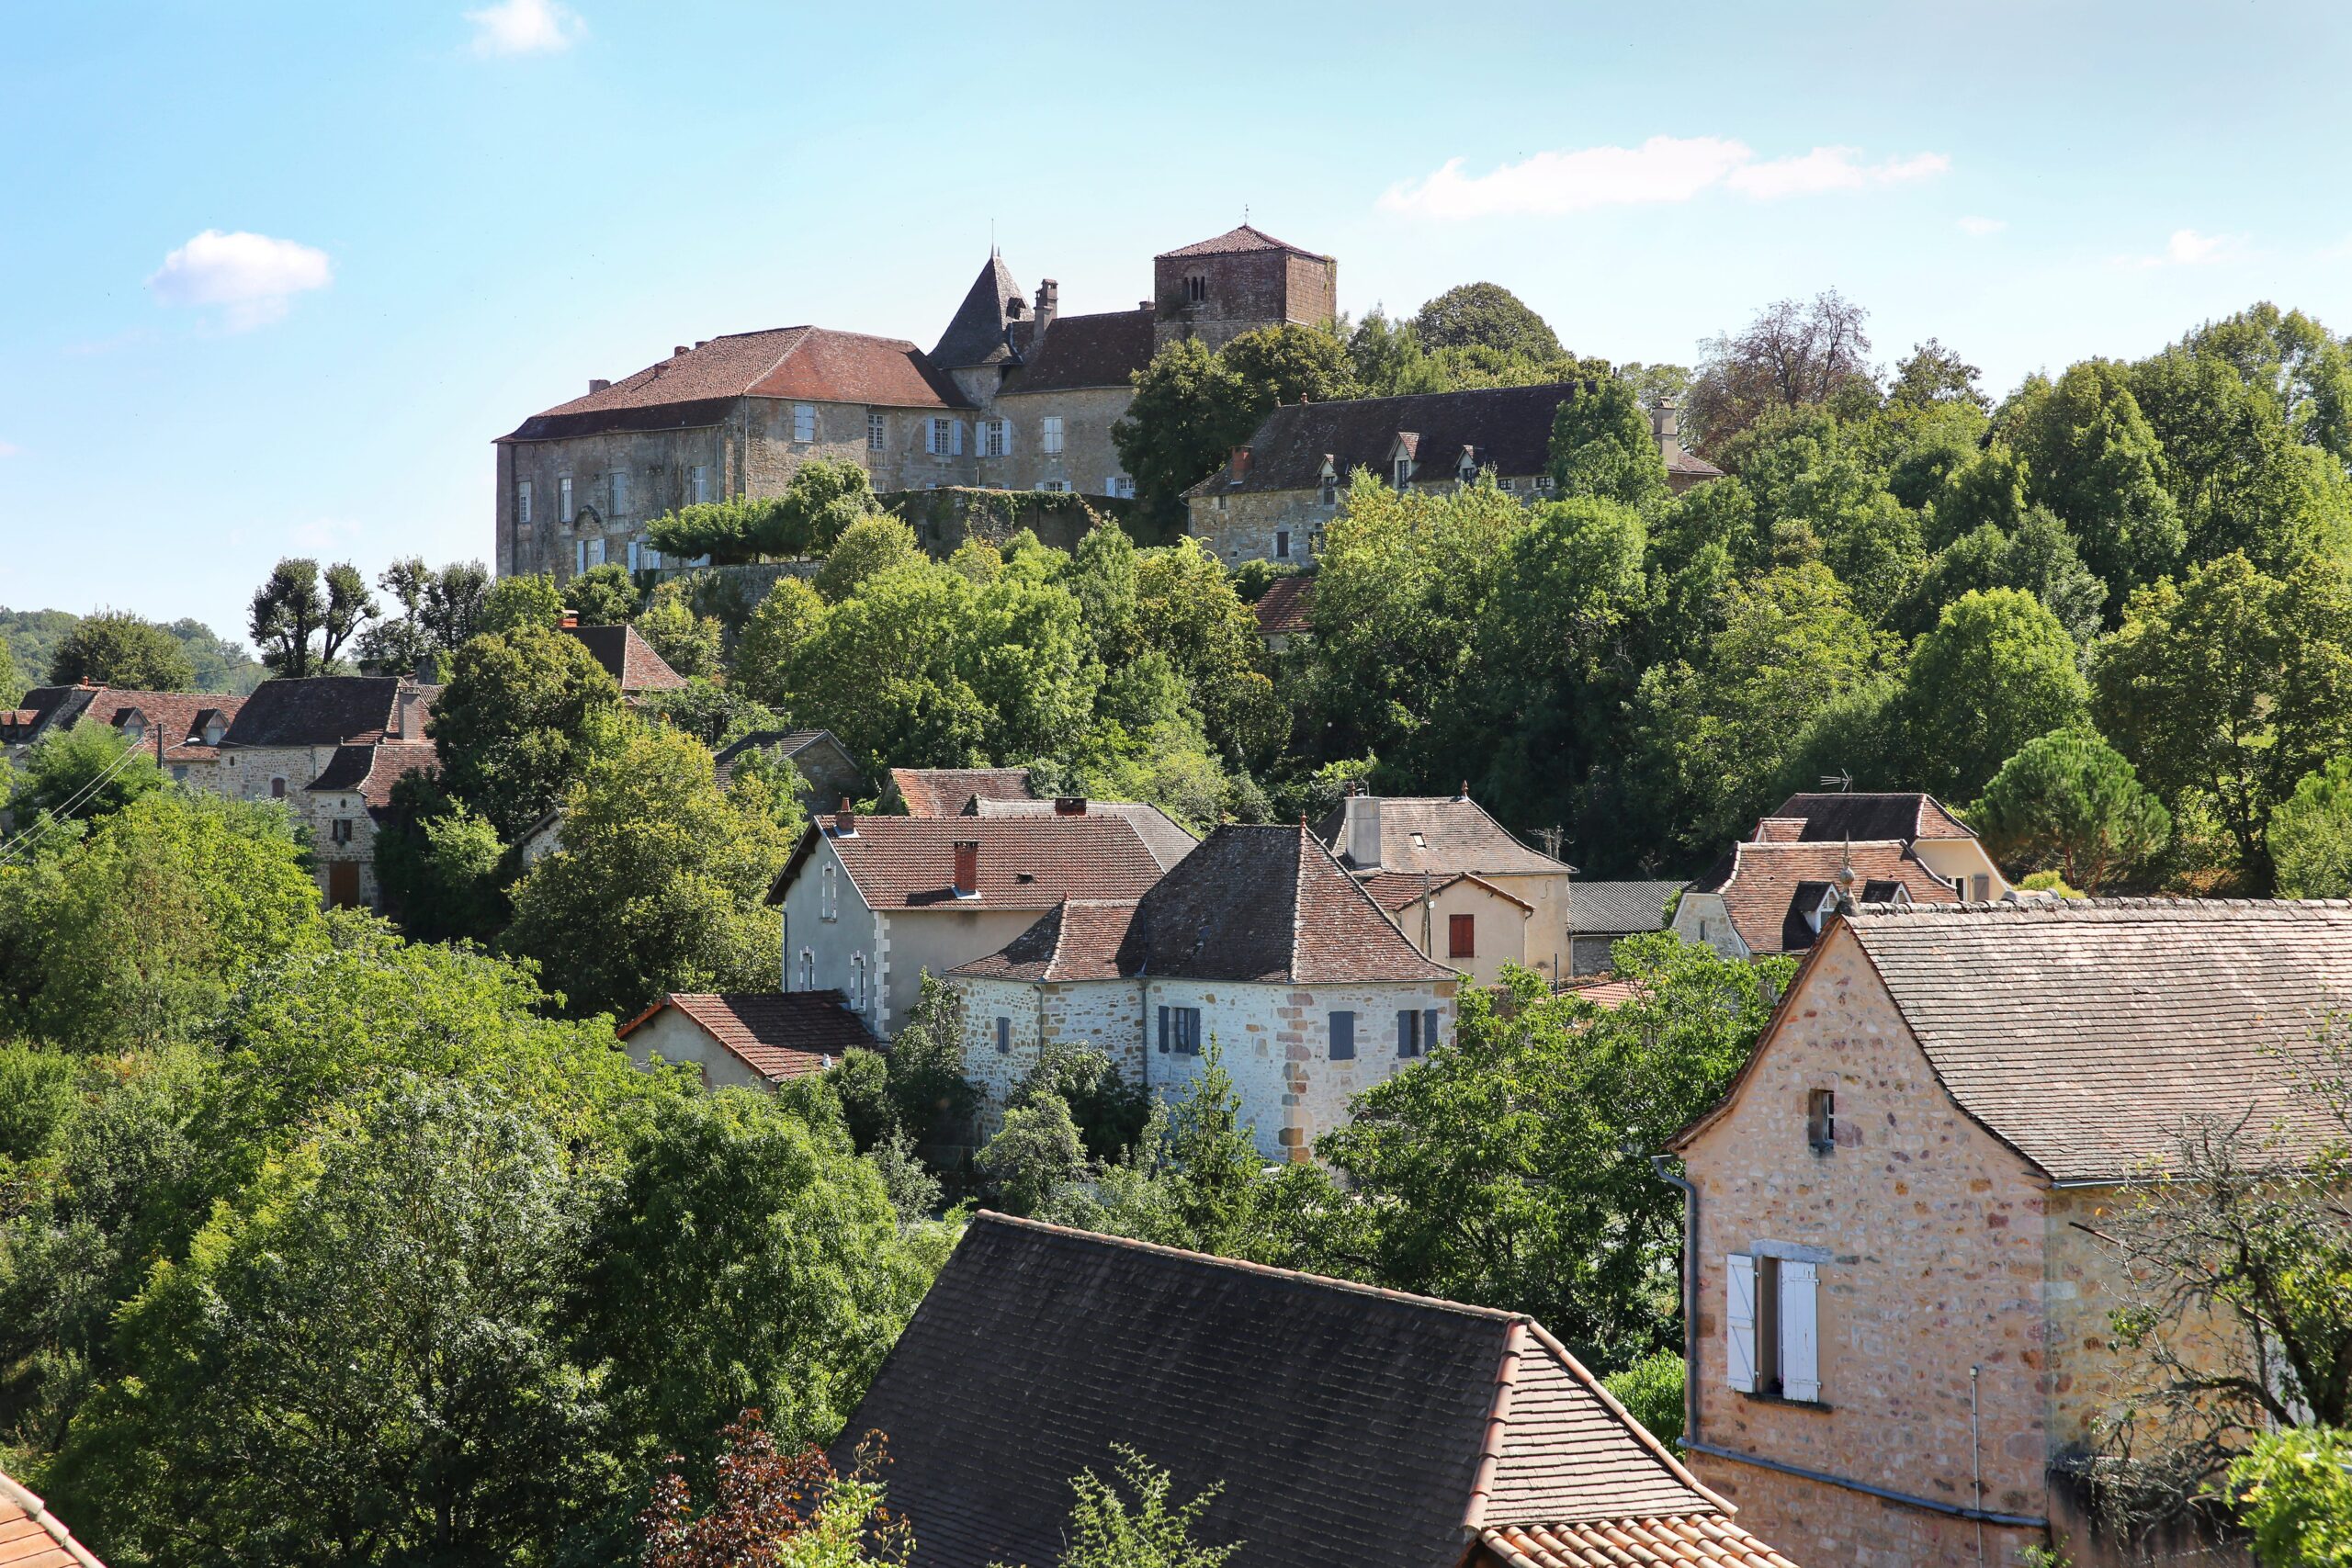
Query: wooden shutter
[1461,936]
[1164,1032]
[1739,1322]
[1799,1333]
[1408,1032]
[1344,1036]
[1429,1031]
[955,437]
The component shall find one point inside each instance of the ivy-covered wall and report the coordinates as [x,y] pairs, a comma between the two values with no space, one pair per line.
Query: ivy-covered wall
[943,518]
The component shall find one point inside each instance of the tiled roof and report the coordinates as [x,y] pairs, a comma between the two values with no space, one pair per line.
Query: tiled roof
[1395,890]
[32,1537]
[322,710]
[909,862]
[1287,608]
[1603,991]
[1596,908]
[1508,429]
[1678,461]
[1235,240]
[785,744]
[370,771]
[1442,834]
[778,1034]
[1167,839]
[1904,815]
[1345,1424]
[2083,1031]
[1268,905]
[179,715]
[1104,350]
[628,657]
[1765,885]
[947,792]
[700,386]
[1697,1541]
[974,335]
[1079,938]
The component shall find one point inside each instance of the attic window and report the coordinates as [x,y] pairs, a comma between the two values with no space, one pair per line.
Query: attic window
[1404,473]
[1821,1120]
[1420,841]
[1024,877]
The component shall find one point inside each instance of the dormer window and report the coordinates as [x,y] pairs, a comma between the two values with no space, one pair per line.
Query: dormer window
[1466,470]
[1329,483]
[1823,908]
[1404,470]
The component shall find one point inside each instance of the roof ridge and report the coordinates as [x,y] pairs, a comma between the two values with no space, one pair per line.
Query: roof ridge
[2073,906]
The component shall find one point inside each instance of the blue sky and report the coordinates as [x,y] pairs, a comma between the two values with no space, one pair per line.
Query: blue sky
[272,277]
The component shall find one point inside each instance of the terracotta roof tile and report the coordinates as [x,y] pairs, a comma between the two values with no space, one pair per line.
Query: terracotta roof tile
[1079,938]
[1441,833]
[1603,991]
[1167,839]
[1287,608]
[909,862]
[32,1537]
[1697,1541]
[179,716]
[1234,241]
[949,792]
[1395,890]
[370,771]
[1103,350]
[1769,887]
[1508,429]
[628,657]
[778,1034]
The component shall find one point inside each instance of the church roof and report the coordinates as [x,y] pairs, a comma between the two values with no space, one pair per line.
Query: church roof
[976,335]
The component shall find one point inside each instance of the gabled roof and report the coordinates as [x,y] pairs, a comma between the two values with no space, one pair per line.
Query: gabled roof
[1906,814]
[322,710]
[1606,907]
[179,715]
[371,771]
[1287,607]
[777,1035]
[1509,428]
[32,1537]
[1345,1424]
[1234,241]
[701,385]
[1441,833]
[909,862]
[1769,887]
[1167,840]
[949,792]
[1103,350]
[1395,890]
[974,335]
[787,744]
[1079,940]
[628,657]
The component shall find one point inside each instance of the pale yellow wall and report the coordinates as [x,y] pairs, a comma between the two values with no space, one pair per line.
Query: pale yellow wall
[915,941]
[1952,858]
[674,1037]
[1502,934]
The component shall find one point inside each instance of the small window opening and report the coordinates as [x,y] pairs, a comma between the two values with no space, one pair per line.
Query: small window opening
[1821,1120]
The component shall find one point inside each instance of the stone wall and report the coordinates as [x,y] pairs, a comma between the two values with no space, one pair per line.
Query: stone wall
[1246,524]
[1105,1014]
[249,773]
[1087,464]
[943,519]
[1245,290]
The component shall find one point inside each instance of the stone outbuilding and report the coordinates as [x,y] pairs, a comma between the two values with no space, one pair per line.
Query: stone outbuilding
[1897,1302]
[1335,1423]
[625,655]
[1602,914]
[746,1040]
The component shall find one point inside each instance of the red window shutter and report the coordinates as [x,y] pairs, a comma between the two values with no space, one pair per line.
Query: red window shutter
[1460,938]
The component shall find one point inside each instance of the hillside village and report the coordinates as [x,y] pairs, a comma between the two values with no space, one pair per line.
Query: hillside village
[1463,954]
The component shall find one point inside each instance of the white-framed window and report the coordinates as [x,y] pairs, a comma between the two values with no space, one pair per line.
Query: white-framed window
[1119,487]
[616,488]
[804,421]
[523,502]
[635,556]
[875,431]
[579,556]
[1771,1326]
[1542,481]
[995,437]
[1055,486]
[945,438]
[563,508]
[1049,434]
[807,970]
[698,483]
[829,893]
[857,981]
[596,551]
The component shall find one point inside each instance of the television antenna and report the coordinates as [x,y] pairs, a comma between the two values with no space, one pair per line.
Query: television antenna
[1843,780]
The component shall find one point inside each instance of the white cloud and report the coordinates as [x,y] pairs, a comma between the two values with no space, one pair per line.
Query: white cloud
[2187,248]
[1980,227]
[1662,169]
[526,26]
[251,276]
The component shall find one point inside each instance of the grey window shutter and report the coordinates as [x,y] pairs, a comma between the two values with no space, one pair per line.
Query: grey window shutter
[1164,1032]
[1429,1031]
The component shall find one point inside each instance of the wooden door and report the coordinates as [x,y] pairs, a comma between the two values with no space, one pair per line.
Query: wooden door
[342,883]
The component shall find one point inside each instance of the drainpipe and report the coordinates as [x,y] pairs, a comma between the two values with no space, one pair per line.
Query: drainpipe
[1689,1295]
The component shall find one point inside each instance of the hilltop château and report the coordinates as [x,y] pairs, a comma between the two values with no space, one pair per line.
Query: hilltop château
[1013,395]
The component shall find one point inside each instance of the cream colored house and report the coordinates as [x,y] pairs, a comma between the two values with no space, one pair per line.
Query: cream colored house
[1443,836]
[1465,923]
[746,1040]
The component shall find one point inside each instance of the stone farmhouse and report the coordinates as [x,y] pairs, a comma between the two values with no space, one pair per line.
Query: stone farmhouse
[1342,1423]
[1602,914]
[1257,941]
[1275,495]
[746,1040]
[832,773]
[1897,1307]
[1013,395]
[1496,900]
[182,730]
[870,904]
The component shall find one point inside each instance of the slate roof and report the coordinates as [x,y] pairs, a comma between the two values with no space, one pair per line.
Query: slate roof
[179,715]
[1508,429]
[370,771]
[777,1035]
[1235,240]
[628,657]
[320,710]
[1395,890]
[1103,350]
[32,1537]
[1442,833]
[1079,940]
[1597,908]
[701,385]
[1766,887]
[909,862]
[1345,1424]
[1287,608]
[2084,1033]
[1904,815]
[1167,840]
[785,744]
[975,334]
[949,792]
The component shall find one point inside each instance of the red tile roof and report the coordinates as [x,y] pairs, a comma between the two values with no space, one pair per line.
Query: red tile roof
[1168,839]
[1235,240]
[777,1035]
[628,657]
[1395,890]
[1603,991]
[1764,884]
[31,1537]
[908,862]
[1080,939]
[1287,608]
[949,792]
[176,715]
[1697,1541]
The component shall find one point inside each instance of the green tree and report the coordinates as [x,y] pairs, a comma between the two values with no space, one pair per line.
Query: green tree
[928,1096]
[822,500]
[115,648]
[1489,315]
[2237,473]
[1141,1529]
[713,714]
[2037,556]
[1035,1151]
[522,715]
[659,883]
[79,774]
[1191,407]
[763,653]
[1997,670]
[867,548]
[604,595]
[2069,800]
[2299,362]
[1108,1110]
[1601,445]
[2091,458]
[1651,1390]
[2294,1489]
[1987,489]
[1934,374]
[687,643]
[2311,834]
[302,617]
[1791,355]
[517,601]
[441,867]
[2227,688]
[440,613]
[1186,611]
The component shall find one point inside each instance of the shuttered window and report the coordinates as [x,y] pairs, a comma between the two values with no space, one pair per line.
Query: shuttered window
[1408,1032]
[804,422]
[523,502]
[1800,1333]
[1004,1035]
[1739,1322]
[1461,936]
[1344,1036]
[1428,1029]
[1773,1327]
[1049,434]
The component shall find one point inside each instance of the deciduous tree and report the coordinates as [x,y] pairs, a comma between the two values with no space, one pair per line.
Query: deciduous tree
[1791,355]
[115,648]
[302,617]
[1997,670]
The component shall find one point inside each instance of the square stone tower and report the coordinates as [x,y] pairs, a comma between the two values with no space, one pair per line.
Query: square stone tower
[1216,290]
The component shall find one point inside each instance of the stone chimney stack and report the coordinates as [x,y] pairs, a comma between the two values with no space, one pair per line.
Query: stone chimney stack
[1241,466]
[1069,805]
[1666,425]
[598,384]
[845,820]
[1360,831]
[967,868]
[1050,303]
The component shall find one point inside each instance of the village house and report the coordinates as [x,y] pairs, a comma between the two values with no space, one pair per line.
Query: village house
[1167,840]
[1942,842]
[870,904]
[1274,496]
[1335,1423]
[1286,612]
[625,655]
[1602,914]
[1258,941]
[1770,896]
[1014,395]
[1898,1303]
[1401,845]
[951,792]
[746,1040]
[832,774]
[182,731]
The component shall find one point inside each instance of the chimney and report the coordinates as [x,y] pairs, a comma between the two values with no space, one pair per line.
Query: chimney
[571,620]
[700,341]
[1240,467]
[967,868]
[598,384]
[1464,791]
[845,820]
[1360,831]
[1145,305]
[1069,805]
[680,349]
[1667,426]
[1049,302]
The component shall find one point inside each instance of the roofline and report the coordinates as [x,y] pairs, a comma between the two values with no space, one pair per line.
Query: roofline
[1298,923]
[624,1032]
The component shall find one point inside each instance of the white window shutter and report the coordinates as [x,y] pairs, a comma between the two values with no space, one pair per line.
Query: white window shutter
[1739,1322]
[1800,1333]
